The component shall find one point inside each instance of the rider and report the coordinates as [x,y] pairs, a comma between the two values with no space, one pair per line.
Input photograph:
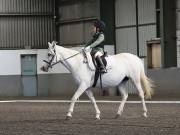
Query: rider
[97,44]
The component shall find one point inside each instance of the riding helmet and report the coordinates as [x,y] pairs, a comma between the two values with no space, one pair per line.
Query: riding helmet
[100,24]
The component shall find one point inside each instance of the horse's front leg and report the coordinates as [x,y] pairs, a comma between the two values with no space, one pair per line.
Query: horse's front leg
[91,97]
[78,93]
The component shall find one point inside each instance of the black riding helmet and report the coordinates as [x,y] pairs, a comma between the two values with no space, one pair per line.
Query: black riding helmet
[100,24]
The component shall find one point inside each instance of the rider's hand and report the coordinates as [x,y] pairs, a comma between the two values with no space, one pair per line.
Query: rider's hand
[87,48]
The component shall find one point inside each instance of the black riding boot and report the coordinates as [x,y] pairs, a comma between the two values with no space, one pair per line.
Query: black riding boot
[102,66]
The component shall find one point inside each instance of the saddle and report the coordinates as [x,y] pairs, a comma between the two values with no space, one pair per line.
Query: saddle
[94,61]
[97,65]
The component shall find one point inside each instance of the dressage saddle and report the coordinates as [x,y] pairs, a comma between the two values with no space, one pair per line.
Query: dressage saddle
[98,68]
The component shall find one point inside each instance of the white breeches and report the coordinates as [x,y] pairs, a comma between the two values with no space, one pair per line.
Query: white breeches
[98,54]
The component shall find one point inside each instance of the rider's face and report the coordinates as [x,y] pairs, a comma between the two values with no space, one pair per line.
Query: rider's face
[94,29]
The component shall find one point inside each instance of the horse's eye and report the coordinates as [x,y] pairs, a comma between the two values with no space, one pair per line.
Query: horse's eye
[49,54]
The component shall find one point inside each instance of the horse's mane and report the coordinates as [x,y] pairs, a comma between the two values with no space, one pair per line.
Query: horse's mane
[68,50]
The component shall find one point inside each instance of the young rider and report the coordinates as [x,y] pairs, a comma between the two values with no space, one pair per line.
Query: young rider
[96,44]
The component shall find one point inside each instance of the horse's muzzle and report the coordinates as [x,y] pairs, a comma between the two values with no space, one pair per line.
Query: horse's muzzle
[44,69]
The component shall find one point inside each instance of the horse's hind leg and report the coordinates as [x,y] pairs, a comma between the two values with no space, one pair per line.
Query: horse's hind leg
[124,95]
[91,97]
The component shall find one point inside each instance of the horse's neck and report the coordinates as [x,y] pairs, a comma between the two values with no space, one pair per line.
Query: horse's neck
[66,53]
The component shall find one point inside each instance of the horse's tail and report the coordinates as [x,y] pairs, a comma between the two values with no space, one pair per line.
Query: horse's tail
[147,84]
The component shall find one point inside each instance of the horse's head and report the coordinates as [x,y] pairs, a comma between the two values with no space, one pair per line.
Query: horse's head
[51,56]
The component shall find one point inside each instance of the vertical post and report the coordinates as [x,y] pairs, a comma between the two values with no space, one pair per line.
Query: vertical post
[114,26]
[162,31]
[108,16]
[55,14]
[137,27]
[168,32]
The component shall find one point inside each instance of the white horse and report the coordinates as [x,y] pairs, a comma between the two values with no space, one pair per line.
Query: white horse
[123,65]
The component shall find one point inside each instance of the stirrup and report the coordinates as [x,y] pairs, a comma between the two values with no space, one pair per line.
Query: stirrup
[103,70]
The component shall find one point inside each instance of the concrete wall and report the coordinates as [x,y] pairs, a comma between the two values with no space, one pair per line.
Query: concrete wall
[10,85]
[178,49]
[166,81]
[56,85]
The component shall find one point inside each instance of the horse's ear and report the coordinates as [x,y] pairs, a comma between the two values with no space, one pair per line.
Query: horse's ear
[49,44]
[54,43]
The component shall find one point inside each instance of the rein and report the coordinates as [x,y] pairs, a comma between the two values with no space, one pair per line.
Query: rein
[59,61]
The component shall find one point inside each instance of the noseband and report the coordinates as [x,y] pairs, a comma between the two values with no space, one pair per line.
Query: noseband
[49,63]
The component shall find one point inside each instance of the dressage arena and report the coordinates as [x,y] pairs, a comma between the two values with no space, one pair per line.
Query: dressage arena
[44,117]
[43,64]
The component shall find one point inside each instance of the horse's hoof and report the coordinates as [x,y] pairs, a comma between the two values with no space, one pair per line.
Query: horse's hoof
[117,116]
[97,118]
[145,115]
[68,117]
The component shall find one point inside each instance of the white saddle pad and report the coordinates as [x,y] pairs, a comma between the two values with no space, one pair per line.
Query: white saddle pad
[90,62]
